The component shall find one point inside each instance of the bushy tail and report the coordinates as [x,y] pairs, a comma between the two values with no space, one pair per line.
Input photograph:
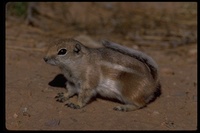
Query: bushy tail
[136,54]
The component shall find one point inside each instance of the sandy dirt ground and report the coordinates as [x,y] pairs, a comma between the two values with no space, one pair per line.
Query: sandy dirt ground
[31,86]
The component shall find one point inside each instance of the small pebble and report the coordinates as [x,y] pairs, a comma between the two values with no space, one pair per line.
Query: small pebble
[52,122]
[155,113]
[15,115]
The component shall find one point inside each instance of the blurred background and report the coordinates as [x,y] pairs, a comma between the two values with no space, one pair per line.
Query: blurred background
[168,24]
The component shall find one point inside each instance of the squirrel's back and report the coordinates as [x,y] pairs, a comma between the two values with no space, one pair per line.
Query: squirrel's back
[136,54]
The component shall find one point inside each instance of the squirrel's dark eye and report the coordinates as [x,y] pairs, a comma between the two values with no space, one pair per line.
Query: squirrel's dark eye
[62,52]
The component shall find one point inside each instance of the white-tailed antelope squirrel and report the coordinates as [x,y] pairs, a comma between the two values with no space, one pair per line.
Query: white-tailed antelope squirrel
[113,71]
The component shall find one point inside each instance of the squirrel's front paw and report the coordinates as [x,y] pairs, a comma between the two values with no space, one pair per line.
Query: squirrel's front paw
[72,105]
[61,97]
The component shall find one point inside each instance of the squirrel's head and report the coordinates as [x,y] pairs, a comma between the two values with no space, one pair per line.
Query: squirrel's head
[64,51]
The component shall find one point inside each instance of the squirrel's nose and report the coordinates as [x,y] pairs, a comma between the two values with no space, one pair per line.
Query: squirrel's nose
[45,59]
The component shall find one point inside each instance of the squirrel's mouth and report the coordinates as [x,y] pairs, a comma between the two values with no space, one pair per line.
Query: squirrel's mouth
[49,61]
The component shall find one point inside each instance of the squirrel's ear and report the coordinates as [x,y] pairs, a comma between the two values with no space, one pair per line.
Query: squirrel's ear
[77,48]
